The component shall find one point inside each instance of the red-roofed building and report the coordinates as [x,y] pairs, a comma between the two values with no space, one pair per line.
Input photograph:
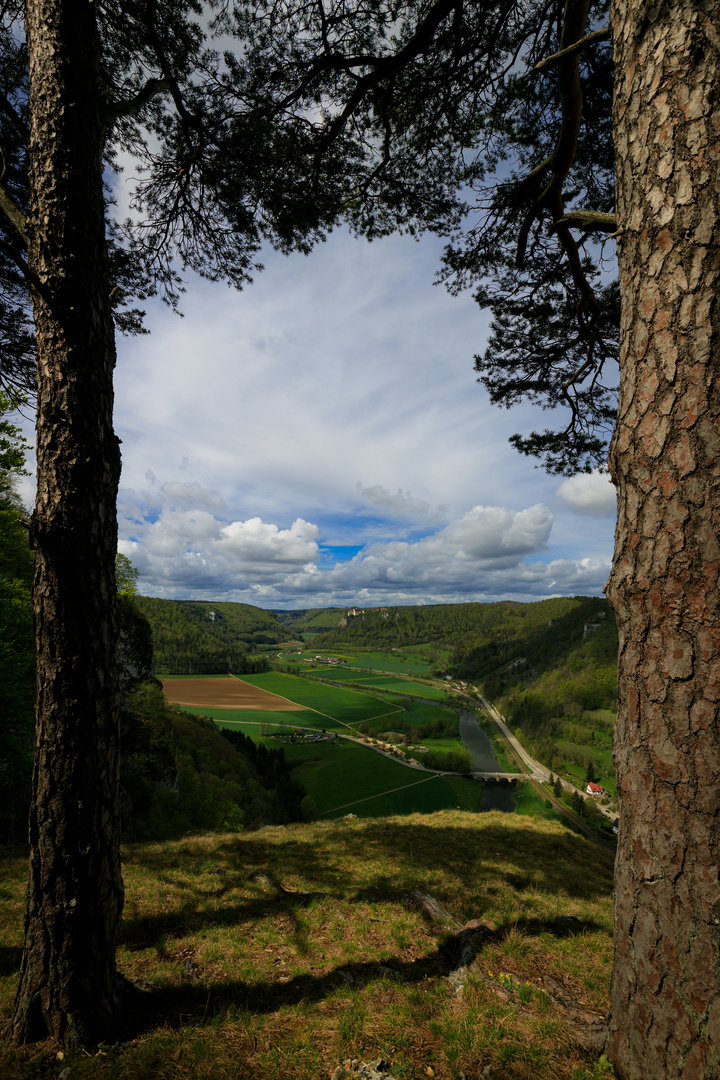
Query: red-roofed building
[595,790]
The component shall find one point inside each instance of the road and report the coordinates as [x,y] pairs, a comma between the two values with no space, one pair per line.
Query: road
[539,774]
[536,770]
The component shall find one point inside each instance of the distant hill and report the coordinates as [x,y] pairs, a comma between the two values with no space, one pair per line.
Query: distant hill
[482,637]
[311,621]
[198,637]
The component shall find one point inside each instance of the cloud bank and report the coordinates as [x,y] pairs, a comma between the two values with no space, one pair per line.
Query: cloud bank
[184,551]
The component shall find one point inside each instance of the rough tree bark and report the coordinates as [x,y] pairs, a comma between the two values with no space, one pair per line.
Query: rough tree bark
[665,459]
[67,986]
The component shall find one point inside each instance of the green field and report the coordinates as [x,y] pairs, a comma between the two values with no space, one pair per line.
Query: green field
[407,687]
[255,717]
[350,778]
[380,661]
[422,712]
[329,702]
[400,686]
[342,776]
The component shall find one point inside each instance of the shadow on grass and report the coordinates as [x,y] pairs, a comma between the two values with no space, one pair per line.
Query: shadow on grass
[330,864]
[198,1002]
[10,959]
[176,1005]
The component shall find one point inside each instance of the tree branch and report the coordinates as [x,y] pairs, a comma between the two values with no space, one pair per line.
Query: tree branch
[14,214]
[388,67]
[133,105]
[589,39]
[589,220]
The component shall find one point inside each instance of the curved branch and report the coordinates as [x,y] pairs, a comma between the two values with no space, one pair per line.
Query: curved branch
[589,39]
[387,67]
[133,105]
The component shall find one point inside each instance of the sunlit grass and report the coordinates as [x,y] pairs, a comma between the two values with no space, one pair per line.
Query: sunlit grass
[279,953]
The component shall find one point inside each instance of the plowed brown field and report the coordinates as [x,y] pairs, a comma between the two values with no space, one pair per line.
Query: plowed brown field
[225,694]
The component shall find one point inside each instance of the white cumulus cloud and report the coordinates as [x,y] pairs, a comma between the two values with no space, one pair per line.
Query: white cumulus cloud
[589,493]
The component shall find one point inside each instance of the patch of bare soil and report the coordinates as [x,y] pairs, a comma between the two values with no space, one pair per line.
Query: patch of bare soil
[227,693]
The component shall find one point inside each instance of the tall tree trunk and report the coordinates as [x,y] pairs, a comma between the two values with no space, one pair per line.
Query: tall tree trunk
[665,459]
[67,986]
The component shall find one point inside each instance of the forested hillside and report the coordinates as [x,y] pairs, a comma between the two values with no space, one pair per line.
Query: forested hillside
[483,637]
[413,625]
[198,637]
[180,774]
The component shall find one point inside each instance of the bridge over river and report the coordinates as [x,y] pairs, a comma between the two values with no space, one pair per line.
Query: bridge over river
[498,784]
[498,777]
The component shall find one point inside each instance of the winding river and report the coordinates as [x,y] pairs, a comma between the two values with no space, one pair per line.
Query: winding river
[496,796]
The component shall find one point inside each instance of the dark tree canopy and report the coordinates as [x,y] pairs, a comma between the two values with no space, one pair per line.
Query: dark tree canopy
[252,123]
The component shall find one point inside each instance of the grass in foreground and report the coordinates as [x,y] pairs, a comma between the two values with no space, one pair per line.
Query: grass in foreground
[277,954]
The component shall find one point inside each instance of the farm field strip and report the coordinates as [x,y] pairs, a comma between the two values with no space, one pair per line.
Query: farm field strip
[228,693]
[407,687]
[360,677]
[348,706]
[321,705]
[300,718]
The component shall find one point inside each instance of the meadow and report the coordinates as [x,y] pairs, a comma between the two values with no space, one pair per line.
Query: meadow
[347,775]
[407,687]
[282,953]
[347,707]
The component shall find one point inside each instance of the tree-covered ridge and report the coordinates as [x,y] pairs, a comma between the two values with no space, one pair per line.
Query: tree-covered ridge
[533,637]
[561,697]
[482,636]
[180,774]
[202,637]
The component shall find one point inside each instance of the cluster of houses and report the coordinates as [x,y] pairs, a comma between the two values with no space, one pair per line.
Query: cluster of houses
[310,735]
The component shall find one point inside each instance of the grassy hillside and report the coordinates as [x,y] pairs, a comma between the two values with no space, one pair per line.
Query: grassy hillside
[17,664]
[203,637]
[282,953]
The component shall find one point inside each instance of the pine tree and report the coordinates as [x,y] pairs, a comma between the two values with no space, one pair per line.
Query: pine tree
[425,99]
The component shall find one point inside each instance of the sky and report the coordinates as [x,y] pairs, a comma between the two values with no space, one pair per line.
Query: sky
[319,439]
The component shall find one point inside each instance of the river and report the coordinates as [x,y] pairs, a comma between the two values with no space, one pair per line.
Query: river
[496,796]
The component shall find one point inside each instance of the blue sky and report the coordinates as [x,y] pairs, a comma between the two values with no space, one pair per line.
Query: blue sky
[320,439]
